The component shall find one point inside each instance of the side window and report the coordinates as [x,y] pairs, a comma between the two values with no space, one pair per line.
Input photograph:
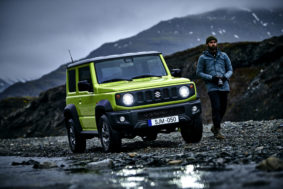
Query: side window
[72,80]
[84,75]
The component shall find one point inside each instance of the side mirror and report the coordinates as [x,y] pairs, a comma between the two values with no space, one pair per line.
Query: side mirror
[84,86]
[176,72]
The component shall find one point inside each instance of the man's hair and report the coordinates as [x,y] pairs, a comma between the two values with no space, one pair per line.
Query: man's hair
[210,38]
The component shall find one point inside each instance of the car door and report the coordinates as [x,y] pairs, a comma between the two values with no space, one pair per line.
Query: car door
[86,104]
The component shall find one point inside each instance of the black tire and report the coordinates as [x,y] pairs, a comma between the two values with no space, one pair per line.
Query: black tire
[77,143]
[149,137]
[110,138]
[192,133]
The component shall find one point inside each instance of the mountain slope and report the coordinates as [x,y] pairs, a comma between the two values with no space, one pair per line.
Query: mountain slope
[34,87]
[170,36]
[3,85]
[256,90]
[228,25]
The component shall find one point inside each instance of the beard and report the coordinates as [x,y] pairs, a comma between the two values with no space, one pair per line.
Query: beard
[213,48]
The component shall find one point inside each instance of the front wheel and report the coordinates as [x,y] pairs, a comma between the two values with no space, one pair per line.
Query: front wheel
[110,138]
[192,133]
[76,142]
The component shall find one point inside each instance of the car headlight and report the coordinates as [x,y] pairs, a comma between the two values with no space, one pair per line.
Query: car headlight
[184,91]
[128,99]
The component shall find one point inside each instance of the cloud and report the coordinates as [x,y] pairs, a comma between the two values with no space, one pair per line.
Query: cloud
[36,35]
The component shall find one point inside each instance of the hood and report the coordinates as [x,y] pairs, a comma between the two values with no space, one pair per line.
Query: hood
[139,84]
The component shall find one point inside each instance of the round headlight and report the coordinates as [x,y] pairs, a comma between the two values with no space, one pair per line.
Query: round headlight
[184,91]
[128,99]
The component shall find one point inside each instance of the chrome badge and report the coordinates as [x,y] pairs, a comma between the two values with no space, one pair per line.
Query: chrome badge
[157,94]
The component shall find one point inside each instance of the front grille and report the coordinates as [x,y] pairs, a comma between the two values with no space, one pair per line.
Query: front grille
[156,95]
[161,113]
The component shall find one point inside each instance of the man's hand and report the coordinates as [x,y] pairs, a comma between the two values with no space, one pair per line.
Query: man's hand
[215,79]
[224,78]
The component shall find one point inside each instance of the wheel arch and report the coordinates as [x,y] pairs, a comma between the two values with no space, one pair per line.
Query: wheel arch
[101,108]
[70,111]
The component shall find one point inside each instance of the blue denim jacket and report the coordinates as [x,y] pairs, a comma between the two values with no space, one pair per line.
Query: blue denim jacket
[209,66]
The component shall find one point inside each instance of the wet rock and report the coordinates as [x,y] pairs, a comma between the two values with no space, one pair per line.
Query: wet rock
[175,162]
[44,165]
[133,154]
[29,162]
[107,163]
[259,149]
[220,161]
[270,164]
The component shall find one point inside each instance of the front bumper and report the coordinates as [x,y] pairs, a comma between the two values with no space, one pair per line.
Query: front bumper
[138,119]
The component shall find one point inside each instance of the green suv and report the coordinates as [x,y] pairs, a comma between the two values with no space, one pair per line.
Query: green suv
[128,95]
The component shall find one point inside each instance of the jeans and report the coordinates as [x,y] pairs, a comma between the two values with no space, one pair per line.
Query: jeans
[218,101]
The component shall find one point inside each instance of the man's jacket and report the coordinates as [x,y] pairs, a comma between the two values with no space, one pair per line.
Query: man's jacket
[209,66]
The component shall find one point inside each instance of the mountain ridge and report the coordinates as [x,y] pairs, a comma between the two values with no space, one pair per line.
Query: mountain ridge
[172,36]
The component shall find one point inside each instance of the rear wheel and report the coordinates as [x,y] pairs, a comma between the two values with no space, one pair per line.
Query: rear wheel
[77,143]
[192,133]
[110,138]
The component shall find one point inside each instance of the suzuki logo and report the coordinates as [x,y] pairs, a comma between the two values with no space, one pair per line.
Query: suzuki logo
[157,94]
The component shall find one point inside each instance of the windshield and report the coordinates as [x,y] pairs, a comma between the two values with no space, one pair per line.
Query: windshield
[129,68]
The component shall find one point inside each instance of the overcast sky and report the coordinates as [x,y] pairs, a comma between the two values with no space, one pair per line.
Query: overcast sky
[35,35]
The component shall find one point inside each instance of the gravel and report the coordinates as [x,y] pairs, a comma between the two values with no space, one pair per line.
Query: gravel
[246,142]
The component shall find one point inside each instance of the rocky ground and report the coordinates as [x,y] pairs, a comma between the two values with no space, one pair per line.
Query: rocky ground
[247,143]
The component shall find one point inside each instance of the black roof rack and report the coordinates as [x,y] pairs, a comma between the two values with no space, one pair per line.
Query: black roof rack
[100,58]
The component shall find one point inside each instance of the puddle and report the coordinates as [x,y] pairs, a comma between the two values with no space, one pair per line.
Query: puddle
[159,177]
[75,175]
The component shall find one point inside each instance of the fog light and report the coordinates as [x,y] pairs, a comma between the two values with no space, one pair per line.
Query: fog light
[122,118]
[194,109]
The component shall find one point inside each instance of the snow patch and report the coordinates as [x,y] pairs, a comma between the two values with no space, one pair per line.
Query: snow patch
[246,9]
[191,32]
[282,30]
[176,32]
[213,33]
[255,16]
[221,31]
[268,33]
[198,39]
[224,31]
[263,24]
[116,44]
[236,36]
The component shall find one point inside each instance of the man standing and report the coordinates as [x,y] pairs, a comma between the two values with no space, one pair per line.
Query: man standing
[215,68]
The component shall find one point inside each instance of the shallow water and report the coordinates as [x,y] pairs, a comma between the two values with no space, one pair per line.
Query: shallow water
[74,174]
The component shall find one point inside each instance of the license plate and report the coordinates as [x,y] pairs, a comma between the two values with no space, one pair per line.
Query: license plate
[163,120]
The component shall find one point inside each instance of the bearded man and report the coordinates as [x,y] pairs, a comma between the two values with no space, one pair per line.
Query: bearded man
[215,68]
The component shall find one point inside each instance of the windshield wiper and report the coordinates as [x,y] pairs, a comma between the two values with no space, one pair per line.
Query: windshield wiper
[147,75]
[116,79]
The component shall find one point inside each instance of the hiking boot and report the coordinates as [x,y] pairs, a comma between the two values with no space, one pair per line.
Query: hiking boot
[217,133]
[219,136]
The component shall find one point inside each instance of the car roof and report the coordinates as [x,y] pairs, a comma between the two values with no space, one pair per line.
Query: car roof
[101,58]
